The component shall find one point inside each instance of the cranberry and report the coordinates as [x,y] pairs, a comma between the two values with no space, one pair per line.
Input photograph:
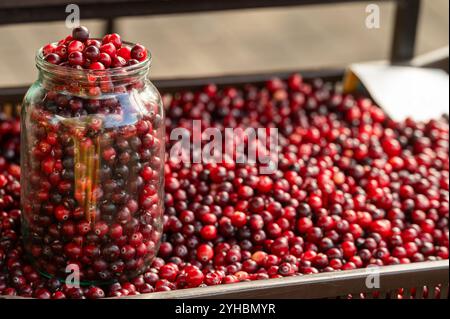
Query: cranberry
[194,276]
[230,279]
[315,201]
[239,219]
[105,59]
[109,154]
[53,58]
[205,253]
[58,295]
[233,256]
[49,48]
[209,232]
[116,231]
[392,147]
[349,249]
[62,213]
[124,52]
[95,293]
[280,247]
[147,173]
[132,62]
[80,33]
[75,46]
[382,227]
[139,52]
[73,250]
[42,294]
[109,49]
[76,58]
[61,51]
[265,184]
[97,66]
[304,224]
[92,53]
[213,278]
[113,38]
[118,62]
[168,272]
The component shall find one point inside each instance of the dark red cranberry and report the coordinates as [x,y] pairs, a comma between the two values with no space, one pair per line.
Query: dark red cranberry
[80,33]
[53,58]
[92,53]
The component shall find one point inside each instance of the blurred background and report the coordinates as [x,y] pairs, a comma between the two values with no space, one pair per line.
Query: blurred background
[238,41]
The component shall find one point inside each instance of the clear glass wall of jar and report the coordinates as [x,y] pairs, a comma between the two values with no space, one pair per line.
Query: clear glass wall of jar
[92,158]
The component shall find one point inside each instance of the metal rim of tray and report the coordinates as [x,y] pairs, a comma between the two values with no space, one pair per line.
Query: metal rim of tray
[327,285]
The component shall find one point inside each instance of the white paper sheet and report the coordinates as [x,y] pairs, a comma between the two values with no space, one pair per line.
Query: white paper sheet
[402,92]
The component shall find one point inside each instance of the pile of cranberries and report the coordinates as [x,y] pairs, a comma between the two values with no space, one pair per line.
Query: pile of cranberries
[353,188]
[9,139]
[81,52]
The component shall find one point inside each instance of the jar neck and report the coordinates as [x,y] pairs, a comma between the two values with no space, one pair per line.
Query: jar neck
[91,82]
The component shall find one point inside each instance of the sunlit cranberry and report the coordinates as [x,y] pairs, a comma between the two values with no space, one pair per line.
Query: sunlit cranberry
[139,52]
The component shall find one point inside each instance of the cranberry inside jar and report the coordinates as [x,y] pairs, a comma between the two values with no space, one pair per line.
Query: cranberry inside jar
[92,160]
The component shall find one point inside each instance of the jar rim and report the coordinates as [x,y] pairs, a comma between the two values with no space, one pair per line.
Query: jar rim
[129,70]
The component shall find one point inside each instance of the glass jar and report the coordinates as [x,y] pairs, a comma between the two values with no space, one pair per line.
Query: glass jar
[92,158]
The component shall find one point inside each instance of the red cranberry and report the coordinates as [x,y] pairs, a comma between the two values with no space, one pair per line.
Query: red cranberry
[61,51]
[105,59]
[382,227]
[42,294]
[168,272]
[95,293]
[392,147]
[139,52]
[209,232]
[75,46]
[109,49]
[239,219]
[49,48]
[62,213]
[124,52]
[194,276]
[205,253]
[76,58]
[304,225]
[97,66]
[113,38]
[349,249]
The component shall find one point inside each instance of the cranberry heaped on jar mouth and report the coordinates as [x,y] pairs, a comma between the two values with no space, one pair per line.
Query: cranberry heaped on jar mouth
[80,52]
[92,160]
